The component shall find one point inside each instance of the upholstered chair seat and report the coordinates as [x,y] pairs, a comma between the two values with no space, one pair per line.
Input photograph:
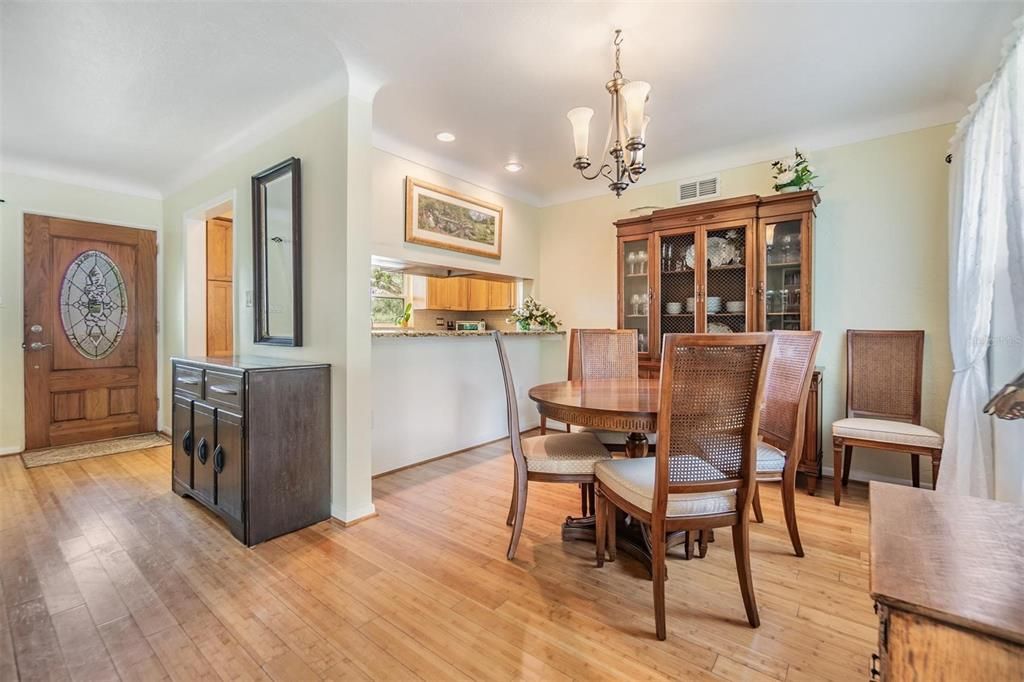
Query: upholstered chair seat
[770,459]
[564,453]
[633,481]
[886,431]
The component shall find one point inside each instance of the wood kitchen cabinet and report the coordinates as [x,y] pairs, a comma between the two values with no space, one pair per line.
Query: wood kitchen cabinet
[731,265]
[464,293]
[252,442]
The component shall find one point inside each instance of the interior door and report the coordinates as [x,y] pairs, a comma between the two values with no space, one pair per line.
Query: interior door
[89,331]
[219,289]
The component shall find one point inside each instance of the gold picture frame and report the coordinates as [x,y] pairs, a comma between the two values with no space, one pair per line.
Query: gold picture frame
[444,219]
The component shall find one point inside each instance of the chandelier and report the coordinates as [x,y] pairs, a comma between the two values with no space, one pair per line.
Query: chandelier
[624,158]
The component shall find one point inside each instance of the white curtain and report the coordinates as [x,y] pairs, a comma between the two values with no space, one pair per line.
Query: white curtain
[985,217]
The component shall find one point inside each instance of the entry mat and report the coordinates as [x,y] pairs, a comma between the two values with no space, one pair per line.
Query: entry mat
[69,453]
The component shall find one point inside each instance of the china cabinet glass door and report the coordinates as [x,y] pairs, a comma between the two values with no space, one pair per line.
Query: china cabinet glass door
[784,275]
[727,292]
[634,267]
[678,264]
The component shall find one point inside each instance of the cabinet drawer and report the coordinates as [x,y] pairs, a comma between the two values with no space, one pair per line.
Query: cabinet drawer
[188,380]
[223,389]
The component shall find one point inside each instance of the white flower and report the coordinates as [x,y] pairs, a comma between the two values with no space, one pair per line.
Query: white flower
[810,168]
[785,177]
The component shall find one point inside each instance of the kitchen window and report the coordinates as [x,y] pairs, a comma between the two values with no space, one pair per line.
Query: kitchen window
[388,297]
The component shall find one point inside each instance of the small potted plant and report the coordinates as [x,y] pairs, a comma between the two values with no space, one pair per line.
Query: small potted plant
[533,315]
[793,174]
[402,319]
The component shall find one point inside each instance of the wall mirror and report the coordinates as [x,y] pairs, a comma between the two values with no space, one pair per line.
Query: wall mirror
[277,254]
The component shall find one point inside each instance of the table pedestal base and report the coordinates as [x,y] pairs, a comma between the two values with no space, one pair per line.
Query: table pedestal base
[633,538]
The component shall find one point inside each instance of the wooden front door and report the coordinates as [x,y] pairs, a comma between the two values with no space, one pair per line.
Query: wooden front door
[89,331]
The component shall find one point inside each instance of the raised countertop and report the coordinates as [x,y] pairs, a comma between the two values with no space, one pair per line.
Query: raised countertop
[419,333]
[956,559]
[247,362]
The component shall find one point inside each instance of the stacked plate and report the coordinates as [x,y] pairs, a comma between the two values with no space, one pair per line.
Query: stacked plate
[735,306]
[714,304]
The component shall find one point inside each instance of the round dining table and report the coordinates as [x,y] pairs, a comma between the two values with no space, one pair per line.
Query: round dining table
[628,406]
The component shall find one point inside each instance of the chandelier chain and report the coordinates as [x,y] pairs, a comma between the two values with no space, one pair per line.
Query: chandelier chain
[618,50]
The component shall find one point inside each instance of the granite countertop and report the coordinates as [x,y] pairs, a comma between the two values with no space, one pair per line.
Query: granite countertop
[416,333]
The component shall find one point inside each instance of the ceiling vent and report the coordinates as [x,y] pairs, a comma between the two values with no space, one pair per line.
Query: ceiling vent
[696,189]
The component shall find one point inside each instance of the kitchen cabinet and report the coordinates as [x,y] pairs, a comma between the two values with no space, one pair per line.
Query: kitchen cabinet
[252,442]
[464,293]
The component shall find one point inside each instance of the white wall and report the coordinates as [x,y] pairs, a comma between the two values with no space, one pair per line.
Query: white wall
[436,395]
[326,142]
[880,261]
[22,195]
[520,242]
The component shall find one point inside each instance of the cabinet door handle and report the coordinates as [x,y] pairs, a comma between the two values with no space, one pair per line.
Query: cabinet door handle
[201,454]
[188,382]
[218,459]
[186,443]
[222,390]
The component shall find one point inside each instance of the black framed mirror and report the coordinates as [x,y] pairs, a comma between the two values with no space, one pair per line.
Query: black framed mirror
[277,254]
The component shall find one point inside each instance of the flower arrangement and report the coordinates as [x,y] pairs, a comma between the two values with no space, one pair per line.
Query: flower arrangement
[532,313]
[792,174]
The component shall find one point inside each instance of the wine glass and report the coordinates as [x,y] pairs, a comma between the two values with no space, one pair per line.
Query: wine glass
[787,241]
[631,259]
[642,259]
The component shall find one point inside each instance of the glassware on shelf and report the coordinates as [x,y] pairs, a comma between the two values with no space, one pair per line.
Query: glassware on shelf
[642,260]
[787,244]
[631,260]
[771,300]
[636,304]
[641,342]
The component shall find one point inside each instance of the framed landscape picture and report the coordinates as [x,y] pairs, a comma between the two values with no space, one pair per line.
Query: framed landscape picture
[439,217]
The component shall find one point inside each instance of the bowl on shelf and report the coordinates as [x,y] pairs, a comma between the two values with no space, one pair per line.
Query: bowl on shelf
[673,307]
[691,304]
[714,304]
[735,306]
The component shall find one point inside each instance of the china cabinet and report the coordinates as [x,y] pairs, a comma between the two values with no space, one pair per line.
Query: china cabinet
[730,265]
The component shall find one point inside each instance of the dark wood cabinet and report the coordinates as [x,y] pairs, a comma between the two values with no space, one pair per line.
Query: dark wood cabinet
[252,442]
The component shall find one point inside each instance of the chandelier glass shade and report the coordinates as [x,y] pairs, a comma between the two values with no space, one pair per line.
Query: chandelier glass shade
[623,153]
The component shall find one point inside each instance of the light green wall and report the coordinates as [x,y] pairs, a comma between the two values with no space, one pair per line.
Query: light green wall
[880,259]
[324,143]
[22,195]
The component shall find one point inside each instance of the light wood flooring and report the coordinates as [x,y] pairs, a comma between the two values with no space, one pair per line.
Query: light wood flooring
[106,574]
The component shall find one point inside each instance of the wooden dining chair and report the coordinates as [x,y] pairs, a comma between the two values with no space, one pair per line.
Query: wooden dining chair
[572,373]
[552,458]
[883,402]
[781,430]
[703,473]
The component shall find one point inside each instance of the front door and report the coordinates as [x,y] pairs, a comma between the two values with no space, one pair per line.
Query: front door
[90,331]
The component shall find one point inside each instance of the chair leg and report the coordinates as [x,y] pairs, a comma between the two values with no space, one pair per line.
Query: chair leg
[837,468]
[543,425]
[915,470]
[847,462]
[517,526]
[758,515]
[658,578]
[512,505]
[583,498]
[789,508]
[936,460]
[600,527]
[611,521]
[592,500]
[741,548]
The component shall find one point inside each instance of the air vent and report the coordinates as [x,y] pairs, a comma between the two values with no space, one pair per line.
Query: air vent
[699,188]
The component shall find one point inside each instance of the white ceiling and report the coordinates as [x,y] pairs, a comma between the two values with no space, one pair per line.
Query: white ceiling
[141,95]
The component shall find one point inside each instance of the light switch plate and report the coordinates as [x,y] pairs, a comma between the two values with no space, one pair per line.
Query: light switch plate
[248,298]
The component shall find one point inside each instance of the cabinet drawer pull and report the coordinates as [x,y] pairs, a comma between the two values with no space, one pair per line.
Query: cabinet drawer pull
[201,451]
[222,390]
[188,382]
[186,443]
[218,459]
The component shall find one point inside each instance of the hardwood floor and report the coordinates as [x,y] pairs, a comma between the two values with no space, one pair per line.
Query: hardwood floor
[106,574]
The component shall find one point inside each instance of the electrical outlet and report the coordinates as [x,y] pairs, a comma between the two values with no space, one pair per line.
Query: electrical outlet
[438,321]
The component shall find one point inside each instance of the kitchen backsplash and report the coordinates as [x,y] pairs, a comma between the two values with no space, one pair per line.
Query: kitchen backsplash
[495,319]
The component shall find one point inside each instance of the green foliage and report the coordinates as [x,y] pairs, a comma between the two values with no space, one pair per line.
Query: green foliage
[453,220]
[384,283]
[534,312]
[793,172]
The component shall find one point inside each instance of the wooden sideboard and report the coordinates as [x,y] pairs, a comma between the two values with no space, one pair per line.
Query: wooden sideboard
[252,442]
[946,576]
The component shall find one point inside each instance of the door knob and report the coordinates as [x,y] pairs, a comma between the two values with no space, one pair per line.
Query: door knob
[37,345]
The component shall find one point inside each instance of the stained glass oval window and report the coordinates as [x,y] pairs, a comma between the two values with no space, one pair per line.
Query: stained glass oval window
[93,304]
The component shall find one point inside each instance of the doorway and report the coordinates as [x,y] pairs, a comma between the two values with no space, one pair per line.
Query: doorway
[89,331]
[220,334]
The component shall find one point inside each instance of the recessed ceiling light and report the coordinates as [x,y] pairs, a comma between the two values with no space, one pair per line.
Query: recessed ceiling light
[513,167]
[445,137]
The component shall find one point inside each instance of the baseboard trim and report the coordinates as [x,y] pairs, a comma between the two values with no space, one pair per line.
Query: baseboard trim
[448,454]
[349,524]
[866,477]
